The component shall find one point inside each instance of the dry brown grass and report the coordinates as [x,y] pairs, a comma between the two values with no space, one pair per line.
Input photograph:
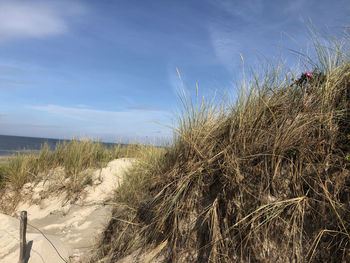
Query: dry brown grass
[266,179]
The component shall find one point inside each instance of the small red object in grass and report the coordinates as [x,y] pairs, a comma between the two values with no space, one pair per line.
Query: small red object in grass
[309,74]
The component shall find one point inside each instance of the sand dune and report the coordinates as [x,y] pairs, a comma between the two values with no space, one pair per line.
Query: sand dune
[72,227]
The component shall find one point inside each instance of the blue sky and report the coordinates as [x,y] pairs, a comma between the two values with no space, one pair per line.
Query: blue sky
[107,69]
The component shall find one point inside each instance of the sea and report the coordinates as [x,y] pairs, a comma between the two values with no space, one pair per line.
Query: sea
[17,144]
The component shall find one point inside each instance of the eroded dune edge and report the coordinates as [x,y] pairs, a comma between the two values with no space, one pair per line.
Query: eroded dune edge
[72,223]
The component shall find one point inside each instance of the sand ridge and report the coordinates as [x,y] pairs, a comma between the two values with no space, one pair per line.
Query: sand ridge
[74,227]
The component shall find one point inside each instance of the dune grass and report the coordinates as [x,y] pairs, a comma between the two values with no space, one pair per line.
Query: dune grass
[73,156]
[263,179]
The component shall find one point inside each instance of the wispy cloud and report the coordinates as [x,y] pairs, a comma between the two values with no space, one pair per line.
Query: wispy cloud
[9,83]
[227,46]
[23,19]
[251,31]
[80,113]
[245,10]
[234,32]
[20,128]
[9,70]
[144,107]
[295,6]
[131,122]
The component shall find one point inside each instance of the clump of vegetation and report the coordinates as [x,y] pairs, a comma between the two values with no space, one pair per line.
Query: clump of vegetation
[73,156]
[264,179]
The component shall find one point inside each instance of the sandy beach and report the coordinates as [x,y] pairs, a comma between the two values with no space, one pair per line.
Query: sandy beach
[73,226]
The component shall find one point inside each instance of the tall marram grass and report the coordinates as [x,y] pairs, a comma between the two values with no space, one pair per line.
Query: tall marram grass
[264,179]
[73,156]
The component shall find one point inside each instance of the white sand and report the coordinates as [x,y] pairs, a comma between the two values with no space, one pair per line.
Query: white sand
[73,228]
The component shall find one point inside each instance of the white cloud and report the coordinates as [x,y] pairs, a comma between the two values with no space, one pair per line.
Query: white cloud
[80,113]
[248,38]
[144,107]
[130,122]
[35,19]
[227,45]
[245,10]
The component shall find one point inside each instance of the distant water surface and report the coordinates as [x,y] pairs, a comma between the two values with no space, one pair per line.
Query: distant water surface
[18,144]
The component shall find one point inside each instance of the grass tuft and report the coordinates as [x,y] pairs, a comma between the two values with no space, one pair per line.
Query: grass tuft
[265,178]
[74,156]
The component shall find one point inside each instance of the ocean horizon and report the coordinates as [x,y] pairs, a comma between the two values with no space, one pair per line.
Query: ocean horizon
[10,144]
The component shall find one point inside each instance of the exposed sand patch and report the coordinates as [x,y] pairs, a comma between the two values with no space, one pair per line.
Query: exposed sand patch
[74,226]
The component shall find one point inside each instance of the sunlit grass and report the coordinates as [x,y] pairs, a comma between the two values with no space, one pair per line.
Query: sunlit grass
[264,177]
[73,156]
